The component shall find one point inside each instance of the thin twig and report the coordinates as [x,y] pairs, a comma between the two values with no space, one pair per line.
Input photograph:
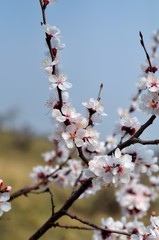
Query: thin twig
[81,155]
[73,227]
[60,213]
[72,216]
[100,89]
[145,142]
[35,186]
[52,201]
[147,55]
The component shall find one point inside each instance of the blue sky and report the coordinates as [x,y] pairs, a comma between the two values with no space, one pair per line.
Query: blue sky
[102,46]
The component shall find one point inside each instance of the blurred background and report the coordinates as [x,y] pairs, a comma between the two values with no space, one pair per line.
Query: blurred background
[102,46]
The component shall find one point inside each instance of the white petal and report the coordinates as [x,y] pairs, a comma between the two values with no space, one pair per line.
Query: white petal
[117,153]
[5,206]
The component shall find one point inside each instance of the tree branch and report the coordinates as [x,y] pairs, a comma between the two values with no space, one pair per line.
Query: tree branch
[135,136]
[51,221]
[95,226]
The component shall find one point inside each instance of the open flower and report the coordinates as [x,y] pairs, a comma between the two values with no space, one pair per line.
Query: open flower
[73,136]
[52,31]
[59,81]
[149,103]
[127,126]
[67,113]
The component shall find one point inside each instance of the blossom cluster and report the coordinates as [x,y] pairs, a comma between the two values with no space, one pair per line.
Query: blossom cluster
[149,85]
[132,230]
[102,161]
[111,169]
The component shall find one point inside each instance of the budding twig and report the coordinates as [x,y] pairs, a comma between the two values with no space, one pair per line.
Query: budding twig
[100,89]
[135,136]
[147,55]
[95,226]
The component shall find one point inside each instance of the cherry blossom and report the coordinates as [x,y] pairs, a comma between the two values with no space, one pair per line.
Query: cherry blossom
[107,224]
[111,169]
[150,82]
[143,158]
[56,44]
[5,206]
[146,67]
[95,109]
[149,103]
[48,156]
[48,64]
[59,82]
[73,136]
[53,101]
[135,199]
[52,31]
[127,126]
[42,175]
[154,180]
[67,113]
[155,226]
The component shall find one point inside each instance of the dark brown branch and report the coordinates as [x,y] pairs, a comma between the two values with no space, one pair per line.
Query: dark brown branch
[81,155]
[136,135]
[145,142]
[51,221]
[100,89]
[34,186]
[144,126]
[74,227]
[43,11]
[147,55]
[24,191]
[52,200]
[95,226]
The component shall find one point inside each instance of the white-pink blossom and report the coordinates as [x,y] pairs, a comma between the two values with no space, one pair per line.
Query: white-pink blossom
[73,136]
[52,31]
[67,113]
[48,64]
[42,175]
[5,206]
[135,198]
[53,101]
[127,126]
[95,109]
[144,159]
[59,81]
[112,169]
[149,103]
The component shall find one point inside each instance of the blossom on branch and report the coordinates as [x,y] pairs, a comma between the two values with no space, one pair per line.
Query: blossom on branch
[95,110]
[135,199]
[59,81]
[67,113]
[5,206]
[127,126]
[111,169]
[150,82]
[149,103]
